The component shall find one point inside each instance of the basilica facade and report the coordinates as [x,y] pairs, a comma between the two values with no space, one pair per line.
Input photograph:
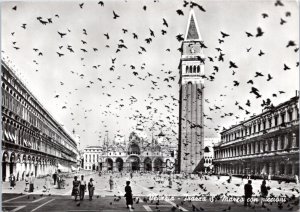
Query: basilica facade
[135,154]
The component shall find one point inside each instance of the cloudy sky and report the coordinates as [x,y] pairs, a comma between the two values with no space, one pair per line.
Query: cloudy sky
[90,86]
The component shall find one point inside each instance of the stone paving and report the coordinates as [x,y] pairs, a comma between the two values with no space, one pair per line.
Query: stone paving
[144,188]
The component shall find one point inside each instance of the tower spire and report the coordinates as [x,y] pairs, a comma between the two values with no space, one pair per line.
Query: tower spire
[192,30]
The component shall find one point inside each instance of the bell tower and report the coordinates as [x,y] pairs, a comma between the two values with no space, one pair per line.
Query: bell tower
[191,137]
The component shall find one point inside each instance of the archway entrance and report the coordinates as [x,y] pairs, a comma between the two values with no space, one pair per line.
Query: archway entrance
[281,169]
[119,164]
[133,163]
[109,164]
[158,164]
[12,164]
[94,167]
[4,164]
[148,164]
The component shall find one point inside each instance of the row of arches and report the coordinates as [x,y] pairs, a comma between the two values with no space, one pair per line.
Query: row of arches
[22,164]
[134,163]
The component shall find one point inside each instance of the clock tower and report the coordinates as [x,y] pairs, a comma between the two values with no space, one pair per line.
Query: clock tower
[191,137]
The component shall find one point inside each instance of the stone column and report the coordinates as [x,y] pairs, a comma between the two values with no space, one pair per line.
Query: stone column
[266,145]
[270,168]
[294,112]
[286,141]
[272,144]
[279,147]
[286,115]
[261,146]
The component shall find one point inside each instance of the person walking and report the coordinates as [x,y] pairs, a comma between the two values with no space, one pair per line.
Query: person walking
[82,187]
[12,180]
[128,195]
[111,183]
[263,191]
[54,177]
[91,188]
[26,183]
[170,182]
[31,183]
[76,187]
[248,193]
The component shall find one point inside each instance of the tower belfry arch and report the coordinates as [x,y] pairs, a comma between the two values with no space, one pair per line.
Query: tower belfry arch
[191,133]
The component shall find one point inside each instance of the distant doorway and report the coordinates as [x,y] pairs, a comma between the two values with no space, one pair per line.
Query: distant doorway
[134,163]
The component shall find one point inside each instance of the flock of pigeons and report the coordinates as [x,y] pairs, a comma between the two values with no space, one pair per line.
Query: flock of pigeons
[158,109]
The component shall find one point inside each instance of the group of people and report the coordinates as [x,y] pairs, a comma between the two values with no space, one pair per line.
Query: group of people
[80,187]
[249,192]
[29,183]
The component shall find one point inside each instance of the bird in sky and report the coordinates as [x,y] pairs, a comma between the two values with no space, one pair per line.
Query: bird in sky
[115,15]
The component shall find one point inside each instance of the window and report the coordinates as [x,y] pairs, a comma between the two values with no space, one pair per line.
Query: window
[186,69]
[290,116]
[264,125]
[194,69]
[282,118]
[282,141]
[275,143]
[259,125]
[276,120]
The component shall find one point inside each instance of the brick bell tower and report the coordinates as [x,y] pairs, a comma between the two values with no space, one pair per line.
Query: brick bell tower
[191,129]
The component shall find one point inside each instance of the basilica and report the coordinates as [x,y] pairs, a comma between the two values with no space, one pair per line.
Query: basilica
[134,154]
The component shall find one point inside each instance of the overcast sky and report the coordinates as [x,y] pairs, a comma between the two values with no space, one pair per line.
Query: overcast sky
[114,105]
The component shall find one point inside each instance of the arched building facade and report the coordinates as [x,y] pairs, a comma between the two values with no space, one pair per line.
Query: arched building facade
[136,155]
[33,142]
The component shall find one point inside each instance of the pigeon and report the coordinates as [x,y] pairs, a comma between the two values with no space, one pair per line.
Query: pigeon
[259,32]
[115,15]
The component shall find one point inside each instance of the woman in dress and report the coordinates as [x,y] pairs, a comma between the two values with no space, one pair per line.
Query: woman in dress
[91,188]
[75,190]
[263,191]
[128,195]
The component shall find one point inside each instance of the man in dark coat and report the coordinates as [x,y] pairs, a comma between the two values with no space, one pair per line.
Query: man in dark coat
[128,195]
[54,177]
[248,192]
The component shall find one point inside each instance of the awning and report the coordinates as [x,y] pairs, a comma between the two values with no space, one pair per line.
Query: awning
[6,135]
[15,138]
[10,136]
[74,169]
[63,168]
[25,142]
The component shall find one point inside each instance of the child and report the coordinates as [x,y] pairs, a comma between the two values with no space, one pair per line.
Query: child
[91,188]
